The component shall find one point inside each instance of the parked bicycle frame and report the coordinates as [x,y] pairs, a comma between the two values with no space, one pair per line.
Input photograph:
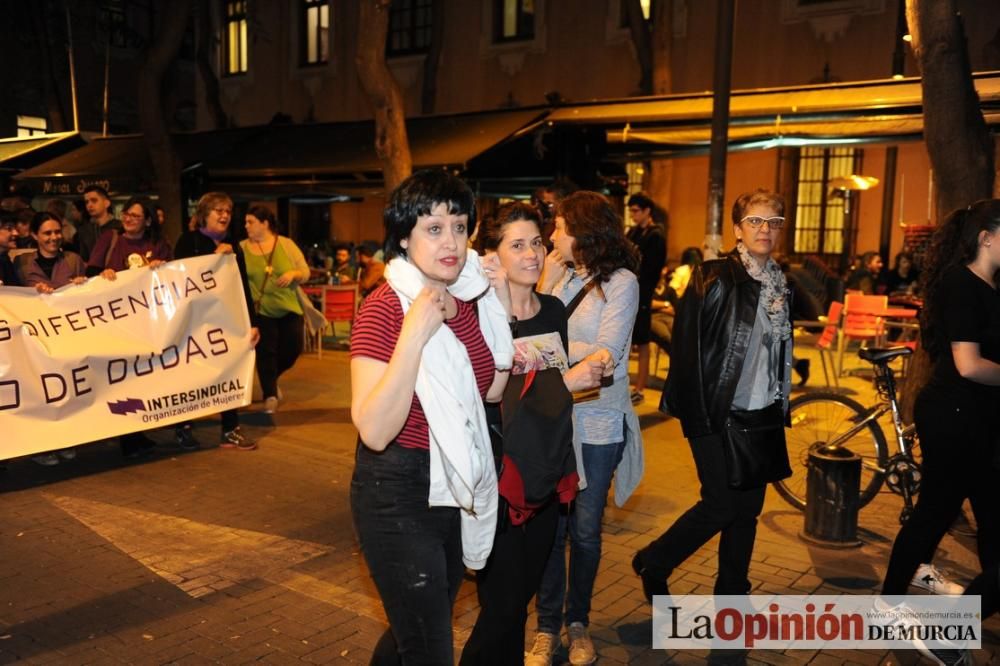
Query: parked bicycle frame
[830,420]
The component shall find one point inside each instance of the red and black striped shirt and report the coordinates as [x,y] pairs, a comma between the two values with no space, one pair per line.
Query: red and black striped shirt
[374,335]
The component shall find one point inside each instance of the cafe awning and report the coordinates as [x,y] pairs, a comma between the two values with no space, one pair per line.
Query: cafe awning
[21,153]
[340,158]
[822,114]
[280,159]
[120,164]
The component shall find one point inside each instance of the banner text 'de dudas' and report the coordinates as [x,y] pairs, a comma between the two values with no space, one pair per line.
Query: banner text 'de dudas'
[151,348]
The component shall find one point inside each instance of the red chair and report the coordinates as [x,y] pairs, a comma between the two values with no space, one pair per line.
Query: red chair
[863,321]
[824,344]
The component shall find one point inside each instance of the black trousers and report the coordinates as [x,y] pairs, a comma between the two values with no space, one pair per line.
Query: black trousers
[506,586]
[955,441]
[721,509]
[280,345]
[414,553]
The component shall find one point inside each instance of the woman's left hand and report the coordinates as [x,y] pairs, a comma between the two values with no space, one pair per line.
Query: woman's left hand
[286,278]
[254,336]
[498,279]
[156,263]
[109,274]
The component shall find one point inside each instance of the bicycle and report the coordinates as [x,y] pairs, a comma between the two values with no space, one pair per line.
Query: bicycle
[826,420]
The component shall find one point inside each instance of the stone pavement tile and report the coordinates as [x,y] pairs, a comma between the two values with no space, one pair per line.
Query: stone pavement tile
[345,650]
[689,657]
[191,659]
[334,619]
[788,658]
[254,625]
[206,647]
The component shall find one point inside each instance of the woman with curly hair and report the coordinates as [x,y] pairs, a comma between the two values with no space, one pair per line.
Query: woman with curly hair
[592,269]
[960,329]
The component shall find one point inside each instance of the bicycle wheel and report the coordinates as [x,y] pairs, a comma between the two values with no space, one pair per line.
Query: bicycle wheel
[821,418]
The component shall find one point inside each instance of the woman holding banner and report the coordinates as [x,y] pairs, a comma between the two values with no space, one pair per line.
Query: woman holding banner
[51,267]
[212,235]
[47,270]
[138,244]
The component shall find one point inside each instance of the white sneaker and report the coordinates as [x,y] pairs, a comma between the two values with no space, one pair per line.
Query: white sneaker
[270,405]
[581,648]
[928,577]
[541,650]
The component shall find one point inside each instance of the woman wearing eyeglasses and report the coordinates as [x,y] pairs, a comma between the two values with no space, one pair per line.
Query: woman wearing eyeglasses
[138,244]
[730,369]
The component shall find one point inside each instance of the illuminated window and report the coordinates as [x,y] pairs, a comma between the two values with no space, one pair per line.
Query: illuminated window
[513,20]
[409,27]
[315,32]
[31,125]
[820,224]
[234,38]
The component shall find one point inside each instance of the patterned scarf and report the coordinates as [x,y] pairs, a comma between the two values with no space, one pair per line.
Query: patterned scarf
[773,290]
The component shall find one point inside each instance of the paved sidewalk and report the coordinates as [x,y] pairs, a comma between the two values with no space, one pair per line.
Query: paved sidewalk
[222,556]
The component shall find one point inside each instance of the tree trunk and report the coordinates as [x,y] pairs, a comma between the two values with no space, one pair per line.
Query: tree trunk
[660,173]
[41,34]
[204,57]
[958,142]
[167,164]
[432,62]
[391,142]
[641,40]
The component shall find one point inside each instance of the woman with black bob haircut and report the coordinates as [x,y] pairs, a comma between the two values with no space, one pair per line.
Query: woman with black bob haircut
[960,329]
[424,490]
[416,197]
[592,270]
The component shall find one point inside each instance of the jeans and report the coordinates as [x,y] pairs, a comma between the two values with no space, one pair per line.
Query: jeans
[955,439]
[720,509]
[414,553]
[280,345]
[583,524]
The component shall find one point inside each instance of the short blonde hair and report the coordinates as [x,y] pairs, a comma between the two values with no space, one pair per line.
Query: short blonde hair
[207,202]
[759,196]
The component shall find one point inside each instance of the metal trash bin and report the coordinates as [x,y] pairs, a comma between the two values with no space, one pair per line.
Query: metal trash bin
[833,485]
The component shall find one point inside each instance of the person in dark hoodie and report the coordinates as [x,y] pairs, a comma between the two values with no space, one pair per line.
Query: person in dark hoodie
[212,235]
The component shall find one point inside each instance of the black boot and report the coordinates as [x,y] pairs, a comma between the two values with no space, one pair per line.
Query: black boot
[650,586]
[802,367]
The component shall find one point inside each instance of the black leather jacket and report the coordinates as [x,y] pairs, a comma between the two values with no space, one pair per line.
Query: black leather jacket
[710,339]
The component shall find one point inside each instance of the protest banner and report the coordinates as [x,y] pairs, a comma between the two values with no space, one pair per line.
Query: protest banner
[152,348]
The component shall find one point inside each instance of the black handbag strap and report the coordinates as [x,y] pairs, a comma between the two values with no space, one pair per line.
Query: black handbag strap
[575,303]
